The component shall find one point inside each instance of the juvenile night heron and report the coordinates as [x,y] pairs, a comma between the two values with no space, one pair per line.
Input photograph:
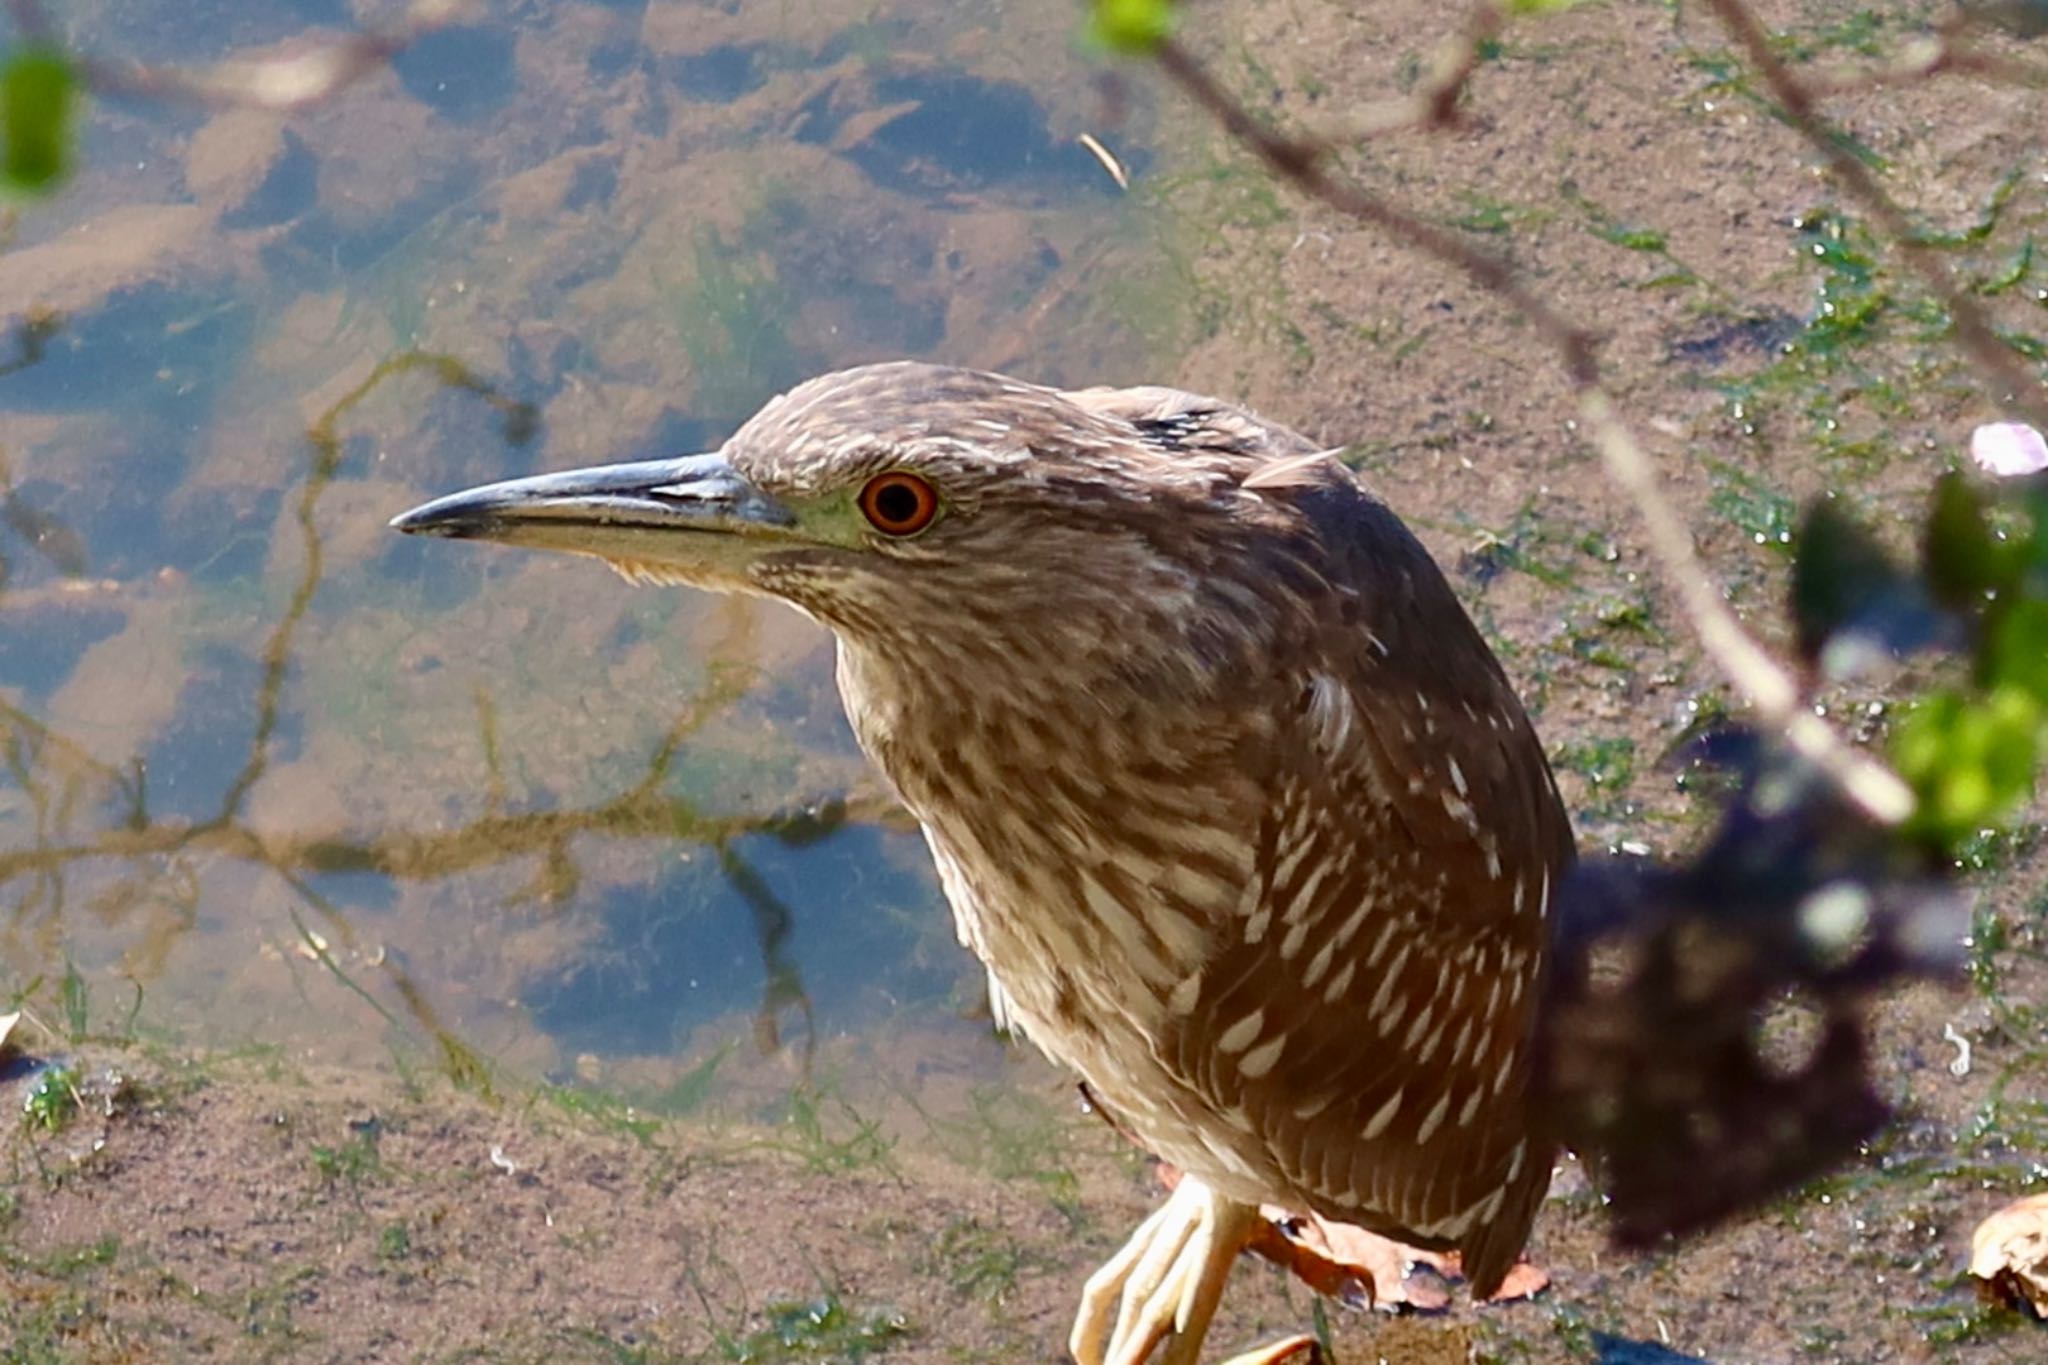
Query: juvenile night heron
[1222,784]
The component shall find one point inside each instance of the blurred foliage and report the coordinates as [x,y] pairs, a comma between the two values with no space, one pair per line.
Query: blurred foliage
[52,1100]
[1652,1063]
[38,89]
[1654,1066]
[1132,27]
[1970,747]
[819,1329]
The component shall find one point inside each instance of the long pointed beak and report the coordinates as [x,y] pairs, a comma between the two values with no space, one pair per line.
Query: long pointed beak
[605,509]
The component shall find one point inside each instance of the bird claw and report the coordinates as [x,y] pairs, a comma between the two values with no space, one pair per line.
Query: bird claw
[1164,1283]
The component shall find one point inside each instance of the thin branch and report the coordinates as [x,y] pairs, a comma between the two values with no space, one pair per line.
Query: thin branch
[1434,104]
[1305,163]
[1920,61]
[1768,686]
[1947,49]
[1973,328]
[1759,677]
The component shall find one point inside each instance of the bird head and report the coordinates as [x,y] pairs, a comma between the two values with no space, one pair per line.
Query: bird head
[911,505]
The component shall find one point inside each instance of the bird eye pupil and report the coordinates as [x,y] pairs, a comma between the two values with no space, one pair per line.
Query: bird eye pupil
[897,503]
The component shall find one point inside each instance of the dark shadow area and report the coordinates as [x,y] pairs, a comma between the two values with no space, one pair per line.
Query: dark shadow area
[463,74]
[717,74]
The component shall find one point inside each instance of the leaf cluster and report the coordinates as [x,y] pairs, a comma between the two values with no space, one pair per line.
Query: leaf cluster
[1969,748]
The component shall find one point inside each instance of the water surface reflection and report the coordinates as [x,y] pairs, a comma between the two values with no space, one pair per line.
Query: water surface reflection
[303,781]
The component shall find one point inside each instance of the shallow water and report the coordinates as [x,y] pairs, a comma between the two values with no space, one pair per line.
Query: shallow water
[276,773]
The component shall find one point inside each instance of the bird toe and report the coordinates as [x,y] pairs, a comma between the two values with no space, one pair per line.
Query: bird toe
[1163,1287]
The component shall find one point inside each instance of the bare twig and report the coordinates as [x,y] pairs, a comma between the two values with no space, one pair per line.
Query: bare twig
[1769,688]
[1434,105]
[1767,685]
[1921,60]
[1306,164]
[1947,49]
[2022,389]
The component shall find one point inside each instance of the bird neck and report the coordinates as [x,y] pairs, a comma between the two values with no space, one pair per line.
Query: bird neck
[1086,847]
[1045,694]
[1130,779]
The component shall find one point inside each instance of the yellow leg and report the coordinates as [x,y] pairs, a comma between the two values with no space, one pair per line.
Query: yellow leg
[1166,1282]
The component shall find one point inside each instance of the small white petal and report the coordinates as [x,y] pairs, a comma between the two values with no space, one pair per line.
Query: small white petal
[2008,449]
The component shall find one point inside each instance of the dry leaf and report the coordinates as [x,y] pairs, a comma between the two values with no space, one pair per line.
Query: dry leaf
[2009,1253]
[7,1023]
[1362,1269]
[1298,1348]
[1332,1257]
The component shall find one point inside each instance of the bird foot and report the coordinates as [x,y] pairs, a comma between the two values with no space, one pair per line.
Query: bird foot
[1166,1282]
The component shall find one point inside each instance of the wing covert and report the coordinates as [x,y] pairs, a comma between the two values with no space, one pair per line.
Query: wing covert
[1372,1016]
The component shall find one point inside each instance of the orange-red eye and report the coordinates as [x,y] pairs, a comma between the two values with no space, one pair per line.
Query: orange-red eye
[898,504]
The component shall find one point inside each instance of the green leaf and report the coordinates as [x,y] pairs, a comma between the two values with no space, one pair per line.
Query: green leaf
[1969,761]
[1131,27]
[1634,238]
[1840,572]
[1965,560]
[1540,6]
[37,88]
[2016,655]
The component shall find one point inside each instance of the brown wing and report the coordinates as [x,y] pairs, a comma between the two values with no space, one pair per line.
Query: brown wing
[1371,1018]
